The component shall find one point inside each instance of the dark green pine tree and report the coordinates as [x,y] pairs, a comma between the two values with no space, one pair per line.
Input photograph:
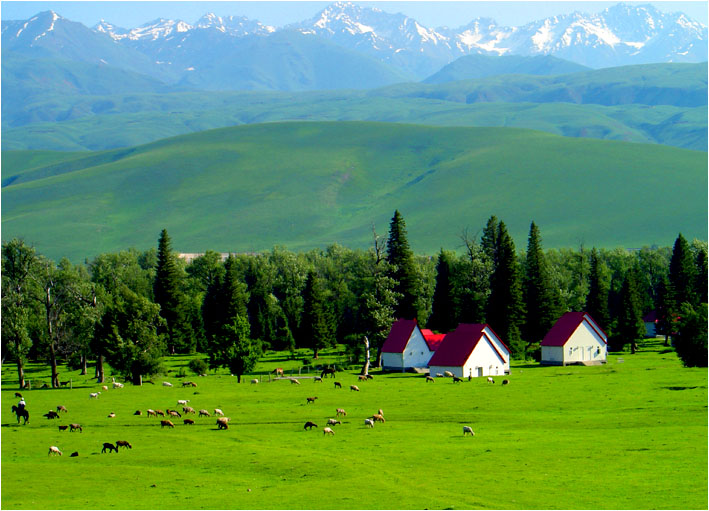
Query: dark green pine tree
[402,268]
[233,296]
[168,293]
[488,240]
[542,305]
[505,306]
[682,272]
[630,326]
[443,310]
[598,287]
[700,277]
[317,325]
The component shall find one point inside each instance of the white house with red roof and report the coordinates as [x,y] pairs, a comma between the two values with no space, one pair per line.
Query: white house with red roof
[471,350]
[433,340]
[575,339]
[405,347]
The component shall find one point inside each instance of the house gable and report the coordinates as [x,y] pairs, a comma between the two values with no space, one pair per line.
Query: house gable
[399,336]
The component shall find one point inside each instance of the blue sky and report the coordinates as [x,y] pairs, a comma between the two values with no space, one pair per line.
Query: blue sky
[432,14]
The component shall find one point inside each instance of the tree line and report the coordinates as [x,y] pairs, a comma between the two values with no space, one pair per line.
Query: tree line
[130,308]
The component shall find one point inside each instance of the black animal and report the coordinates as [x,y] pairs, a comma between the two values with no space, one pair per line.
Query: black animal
[109,446]
[17,394]
[21,412]
[310,425]
[369,376]
[74,454]
[456,379]
[74,427]
[51,414]
[338,385]
[326,371]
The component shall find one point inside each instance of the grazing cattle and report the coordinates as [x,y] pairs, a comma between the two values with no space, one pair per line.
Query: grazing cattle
[183,402]
[341,411]
[448,373]
[51,414]
[294,381]
[109,446]
[123,443]
[326,371]
[111,415]
[166,423]
[94,395]
[74,454]
[188,422]
[278,371]
[457,380]
[254,381]
[217,411]
[310,425]
[60,408]
[54,450]
[223,423]
[354,387]
[188,409]
[166,384]
[63,428]
[138,412]
[490,380]
[369,423]
[468,429]
[505,382]
[74,427]
[338,385]
[204,413]
[311,399]
[327,431]
[332,422]
[430,379]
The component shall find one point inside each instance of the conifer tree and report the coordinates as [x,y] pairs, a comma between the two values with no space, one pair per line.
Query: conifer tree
[700,277]
[317,326]
[505,307]
[691,339]
[598,286]
[542,308]
[402,268]
[488,240]
[682,272]
[443,317]
[630,326]
[167,292]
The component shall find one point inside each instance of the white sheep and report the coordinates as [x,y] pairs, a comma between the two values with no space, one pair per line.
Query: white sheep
[327,431]
[254,381]
[490,380]
[53,449]
[204,413]
[294,381]
[183,402]
[439,375]
[332,422]
[217,411]
[468,429]
[105,387]
[341,411]
[117,385]
[166,384]
[111,415]
[354,387]
[448,373]
[369,423]
[94,395]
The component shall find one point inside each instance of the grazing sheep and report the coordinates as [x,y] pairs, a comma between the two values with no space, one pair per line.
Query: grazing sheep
[448,373]
[174,413]
[188,422]
[338,385]
[74,427]
[317,379]
[354,387]
[278,371]
[111,415]
[310,425]
[17,394]
[188,409]
[51,414]
[457,380]
[362,377]
[74,454]
[53,449]
[183,402]
[332,422]
[369,376]
[468,429]
[341,411]
[138,412]
[378,418]
[505,382]
[160,413]
[369,423]
[204,413]
[217,411]
[166,423]
[152,412]
[94,395]
[223,423]
[380,412]
[430,379]
[60,408]
[311,399]
[327,431]
[166,384]
[294,381]
[439,375]
[254,381]
[105,387]
[109,446]
[63,428]
[490,380]
[123,443]
[117,385]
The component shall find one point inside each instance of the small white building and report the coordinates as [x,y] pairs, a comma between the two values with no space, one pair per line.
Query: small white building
[405,347]
[650,320]
[471,350]
[575,339]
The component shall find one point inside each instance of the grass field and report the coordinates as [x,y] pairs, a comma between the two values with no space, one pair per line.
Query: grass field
[631,434]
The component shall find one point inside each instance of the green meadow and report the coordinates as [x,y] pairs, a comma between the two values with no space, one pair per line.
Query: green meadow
[631,434]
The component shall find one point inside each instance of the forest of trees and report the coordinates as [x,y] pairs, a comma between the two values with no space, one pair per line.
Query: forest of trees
[131,308]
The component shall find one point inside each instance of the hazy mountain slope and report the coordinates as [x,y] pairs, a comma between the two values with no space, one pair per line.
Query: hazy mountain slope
[309,184]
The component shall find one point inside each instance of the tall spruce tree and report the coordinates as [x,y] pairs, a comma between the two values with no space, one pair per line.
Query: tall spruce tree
[317,325]
[402,268]
[598,286]
[167,292]
[488,240]
[700,277]
[682,272]
[542,305]
[443,314]
[505,307]
[630,326]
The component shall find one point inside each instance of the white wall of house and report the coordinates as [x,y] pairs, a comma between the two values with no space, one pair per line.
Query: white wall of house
[483,361]
[392,361]
[499,345]
[416,354]
[650,329]
[584,345]
[553,355]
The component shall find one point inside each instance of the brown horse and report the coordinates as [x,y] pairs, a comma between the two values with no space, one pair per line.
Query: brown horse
[278,371]
[21,412]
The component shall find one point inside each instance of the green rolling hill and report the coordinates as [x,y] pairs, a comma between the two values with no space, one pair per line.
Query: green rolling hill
[305,185]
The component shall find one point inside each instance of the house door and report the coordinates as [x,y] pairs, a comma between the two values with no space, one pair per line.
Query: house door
[480,372]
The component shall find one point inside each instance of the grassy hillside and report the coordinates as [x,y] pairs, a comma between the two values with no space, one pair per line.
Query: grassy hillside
[306,185]
[627,435]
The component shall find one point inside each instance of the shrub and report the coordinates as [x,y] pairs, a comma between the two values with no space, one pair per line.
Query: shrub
[197,366]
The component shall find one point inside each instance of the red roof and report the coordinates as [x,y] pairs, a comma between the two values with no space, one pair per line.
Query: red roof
[457,346]
[567,324]
[433,340]
[399,336]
